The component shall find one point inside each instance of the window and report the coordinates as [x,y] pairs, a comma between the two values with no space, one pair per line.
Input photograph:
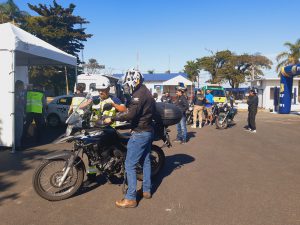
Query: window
[218,93]
[271,93]
[65,101]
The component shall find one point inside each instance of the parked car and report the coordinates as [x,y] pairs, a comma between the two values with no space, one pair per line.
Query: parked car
[57,110]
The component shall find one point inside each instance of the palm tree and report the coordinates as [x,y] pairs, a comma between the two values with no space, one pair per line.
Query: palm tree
[289,57]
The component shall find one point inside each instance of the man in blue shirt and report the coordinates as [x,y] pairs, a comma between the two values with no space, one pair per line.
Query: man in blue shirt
[209,103]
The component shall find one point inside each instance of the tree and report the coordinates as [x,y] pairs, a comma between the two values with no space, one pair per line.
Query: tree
[150,71]
[192,70]
[168,71]
[93,66]
[10,12]
[213,64]
[58,26]
[238,67]
[288,57]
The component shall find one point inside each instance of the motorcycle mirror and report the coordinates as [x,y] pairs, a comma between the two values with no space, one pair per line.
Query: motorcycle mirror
[107,107]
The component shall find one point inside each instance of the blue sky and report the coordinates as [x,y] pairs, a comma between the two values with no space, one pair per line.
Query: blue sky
[168,33]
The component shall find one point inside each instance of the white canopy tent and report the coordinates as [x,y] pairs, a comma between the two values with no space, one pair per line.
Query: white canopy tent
[18,50]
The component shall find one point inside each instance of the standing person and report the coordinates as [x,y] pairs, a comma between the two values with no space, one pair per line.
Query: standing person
[231,100]
[166,98]
[140,112]
[252,110]
[183,104]
[78,99]
[35,111]
[199,106]
[19,112]
[209,104]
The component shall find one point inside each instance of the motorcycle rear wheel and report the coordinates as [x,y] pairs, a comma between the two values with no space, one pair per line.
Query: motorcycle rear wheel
[157,157]
[47,186]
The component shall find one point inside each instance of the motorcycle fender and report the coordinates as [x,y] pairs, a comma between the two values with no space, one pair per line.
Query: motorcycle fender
[60,155]
[65,155]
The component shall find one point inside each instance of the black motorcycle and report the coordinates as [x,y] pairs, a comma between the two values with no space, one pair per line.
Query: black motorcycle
[224,115]
[61,174]
[189,114]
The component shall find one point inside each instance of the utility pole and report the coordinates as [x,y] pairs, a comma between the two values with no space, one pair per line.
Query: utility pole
[67,83]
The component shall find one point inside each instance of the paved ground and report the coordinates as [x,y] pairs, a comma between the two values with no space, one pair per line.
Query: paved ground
[220,177]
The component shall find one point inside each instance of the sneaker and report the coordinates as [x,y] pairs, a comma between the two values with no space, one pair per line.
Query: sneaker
[253,131]
[194,126]
[177,141]
[183,142]
[248,129]
[200,126]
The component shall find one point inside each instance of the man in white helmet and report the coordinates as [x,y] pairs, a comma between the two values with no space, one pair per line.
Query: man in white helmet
[141,109]
[102,86]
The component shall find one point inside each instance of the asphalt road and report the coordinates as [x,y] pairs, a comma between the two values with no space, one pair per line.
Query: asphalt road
[220,177]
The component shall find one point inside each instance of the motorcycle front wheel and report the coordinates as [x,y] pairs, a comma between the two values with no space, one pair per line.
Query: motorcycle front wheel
[157,158]
[221,121]
[47,176]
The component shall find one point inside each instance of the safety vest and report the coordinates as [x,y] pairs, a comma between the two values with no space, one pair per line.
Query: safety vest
[76,101]
[98,111]
[34,102]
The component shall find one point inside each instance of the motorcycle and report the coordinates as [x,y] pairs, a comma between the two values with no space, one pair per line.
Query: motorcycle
[224,115]
[61,174]
[189,114]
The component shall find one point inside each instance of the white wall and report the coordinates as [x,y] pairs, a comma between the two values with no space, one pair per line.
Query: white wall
[264,92]
[6,93]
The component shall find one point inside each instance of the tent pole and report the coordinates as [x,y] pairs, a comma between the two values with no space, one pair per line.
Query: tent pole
[13,150]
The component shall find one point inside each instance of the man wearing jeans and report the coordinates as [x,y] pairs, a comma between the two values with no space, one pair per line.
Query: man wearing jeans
[183,104]
[140,112]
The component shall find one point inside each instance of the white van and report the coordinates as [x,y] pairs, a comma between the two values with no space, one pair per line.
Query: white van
[89,82]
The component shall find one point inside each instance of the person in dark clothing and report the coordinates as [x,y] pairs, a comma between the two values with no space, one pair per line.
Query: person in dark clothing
[231,100]
[199,102]
[183,104]
[252,110]
[140,112]
[166,98]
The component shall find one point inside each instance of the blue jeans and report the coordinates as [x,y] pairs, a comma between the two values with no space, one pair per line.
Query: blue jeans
[138,147]
[181,129]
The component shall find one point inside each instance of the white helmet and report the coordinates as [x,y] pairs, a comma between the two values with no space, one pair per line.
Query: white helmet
[102,82]
[132,80]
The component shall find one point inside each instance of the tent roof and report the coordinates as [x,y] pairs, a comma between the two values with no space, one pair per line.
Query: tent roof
[31,50]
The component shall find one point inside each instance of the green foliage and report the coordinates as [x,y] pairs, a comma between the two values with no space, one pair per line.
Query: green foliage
[226,66]
[289,57]
[150,71]
[10,12]
[58,26]
[192,70]
[93,66]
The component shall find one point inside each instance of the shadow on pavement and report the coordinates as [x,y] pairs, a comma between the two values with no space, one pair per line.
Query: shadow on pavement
[173,162]
[49,135]
[12,165]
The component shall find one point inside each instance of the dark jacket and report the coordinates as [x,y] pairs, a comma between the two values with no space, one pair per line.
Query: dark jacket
[252,103]
[199,99]
[141,109]
[182,103]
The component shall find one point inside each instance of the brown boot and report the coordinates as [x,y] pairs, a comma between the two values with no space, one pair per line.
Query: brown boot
[126,203]
[147,195]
